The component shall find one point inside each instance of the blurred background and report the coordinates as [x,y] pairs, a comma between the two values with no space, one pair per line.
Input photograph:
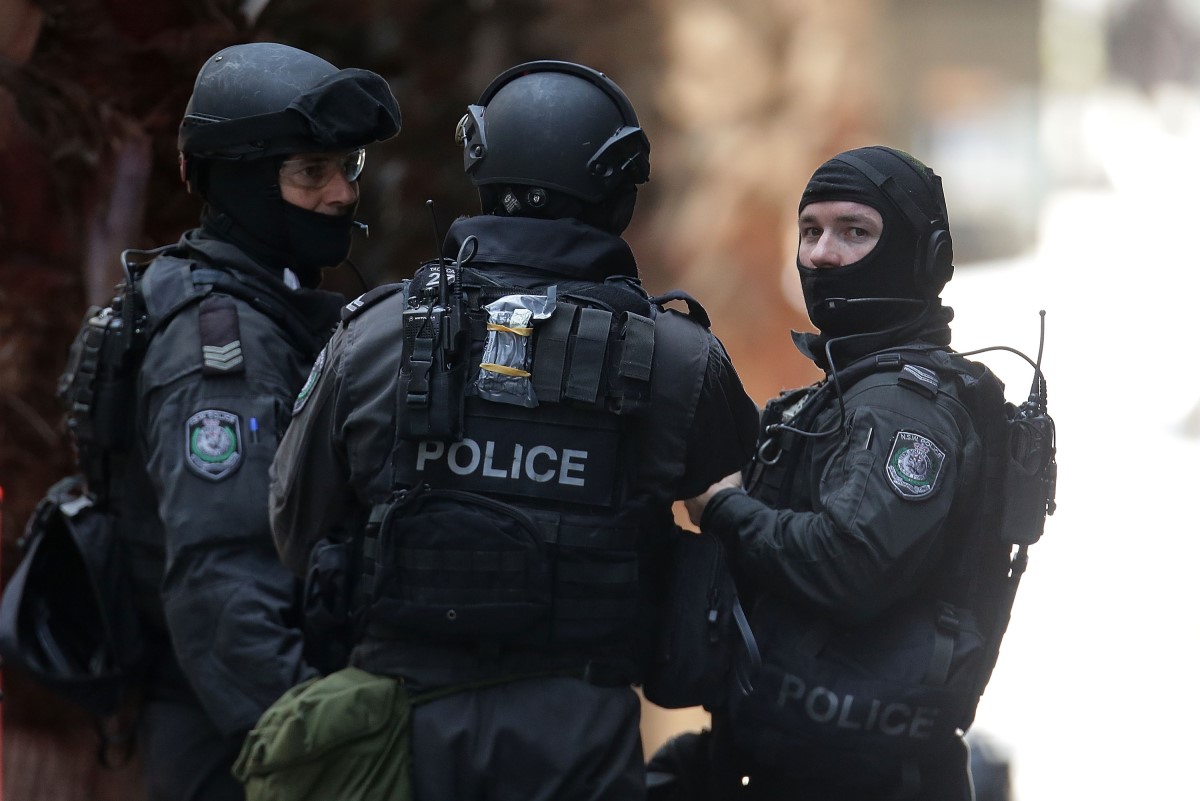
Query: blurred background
[1068,136]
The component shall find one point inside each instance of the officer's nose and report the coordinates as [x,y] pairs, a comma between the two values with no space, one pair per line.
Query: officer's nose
[824,253]
[340,193]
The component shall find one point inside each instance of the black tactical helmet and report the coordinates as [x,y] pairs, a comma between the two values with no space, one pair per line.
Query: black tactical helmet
[263,99]
[558,126]
[254,104]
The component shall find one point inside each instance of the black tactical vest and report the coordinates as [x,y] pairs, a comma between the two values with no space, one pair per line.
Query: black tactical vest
[524,525]
[933,654]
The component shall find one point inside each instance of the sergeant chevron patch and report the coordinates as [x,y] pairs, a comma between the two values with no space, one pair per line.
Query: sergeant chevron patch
[223,358]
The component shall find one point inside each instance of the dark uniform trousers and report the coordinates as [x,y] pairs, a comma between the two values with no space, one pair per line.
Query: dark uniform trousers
[470,746]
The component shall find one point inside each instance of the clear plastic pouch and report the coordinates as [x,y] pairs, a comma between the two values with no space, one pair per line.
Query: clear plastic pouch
[504,374]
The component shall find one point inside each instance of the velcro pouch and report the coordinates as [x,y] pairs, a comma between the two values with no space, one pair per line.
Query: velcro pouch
[458,567]
[694,648]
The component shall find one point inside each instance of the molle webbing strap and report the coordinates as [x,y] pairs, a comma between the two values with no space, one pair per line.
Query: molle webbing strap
[617,573]
[420,363]
[587,355]
[566,609]
[550,359]
[365,585]
[945,633]
[637,349]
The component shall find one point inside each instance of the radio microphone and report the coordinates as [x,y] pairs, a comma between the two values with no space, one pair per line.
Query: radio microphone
[832,304]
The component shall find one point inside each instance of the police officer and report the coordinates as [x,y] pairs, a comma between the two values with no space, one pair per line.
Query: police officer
[517,509]
[859,490]
[272,141]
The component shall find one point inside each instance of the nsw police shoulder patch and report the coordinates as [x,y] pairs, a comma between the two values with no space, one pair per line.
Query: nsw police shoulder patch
[213,443]
[914,465]
[314,375]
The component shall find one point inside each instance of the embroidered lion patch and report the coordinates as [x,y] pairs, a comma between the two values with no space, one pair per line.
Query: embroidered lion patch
[914,465]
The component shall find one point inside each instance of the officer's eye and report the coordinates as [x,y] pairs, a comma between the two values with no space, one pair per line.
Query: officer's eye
[314,172]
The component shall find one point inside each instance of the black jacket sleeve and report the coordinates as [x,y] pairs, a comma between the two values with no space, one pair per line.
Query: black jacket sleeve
[227,600]
[868,535]
[725,426]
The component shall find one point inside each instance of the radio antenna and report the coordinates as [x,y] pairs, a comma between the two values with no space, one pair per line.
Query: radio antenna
[443,281]
[1037,392]
[437,233]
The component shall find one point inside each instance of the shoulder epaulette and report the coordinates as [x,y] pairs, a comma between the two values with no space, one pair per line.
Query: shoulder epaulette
[921,379]
[369,298]
[220,336]
[168,288]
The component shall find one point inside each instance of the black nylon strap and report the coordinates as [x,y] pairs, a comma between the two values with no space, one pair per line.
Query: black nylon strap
[944,634]
[592,608]
[619,573]
[441,559]
[587,356]
[637,350]
[550,357]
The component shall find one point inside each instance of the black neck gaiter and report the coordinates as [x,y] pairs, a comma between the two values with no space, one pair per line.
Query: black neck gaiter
[245,208]
[873,293]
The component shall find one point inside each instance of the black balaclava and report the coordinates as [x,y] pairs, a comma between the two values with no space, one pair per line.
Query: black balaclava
[245,207]
[888,273]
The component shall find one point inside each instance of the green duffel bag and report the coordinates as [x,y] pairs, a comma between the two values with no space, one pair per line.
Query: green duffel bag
[344,737]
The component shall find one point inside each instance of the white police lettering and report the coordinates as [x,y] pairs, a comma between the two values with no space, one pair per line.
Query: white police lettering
[540,463]
[535,452]
[472,449]
[488,470]
[824,706]
[570,464]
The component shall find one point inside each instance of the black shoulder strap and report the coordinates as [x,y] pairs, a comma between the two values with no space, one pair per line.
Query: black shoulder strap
[369,298]
[695,310]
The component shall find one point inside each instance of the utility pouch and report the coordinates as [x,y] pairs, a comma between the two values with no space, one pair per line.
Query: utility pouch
[701,625]
[900,685]
[99,384]
[346,736]
[504,374]
[329,612]
[67,617]
[433,372]
[457,567]
[1030,475]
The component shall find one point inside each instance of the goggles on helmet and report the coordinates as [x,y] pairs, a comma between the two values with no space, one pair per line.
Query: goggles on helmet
[316,170]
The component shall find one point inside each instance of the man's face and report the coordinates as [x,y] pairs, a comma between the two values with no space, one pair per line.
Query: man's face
[835,233]
[326,183]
